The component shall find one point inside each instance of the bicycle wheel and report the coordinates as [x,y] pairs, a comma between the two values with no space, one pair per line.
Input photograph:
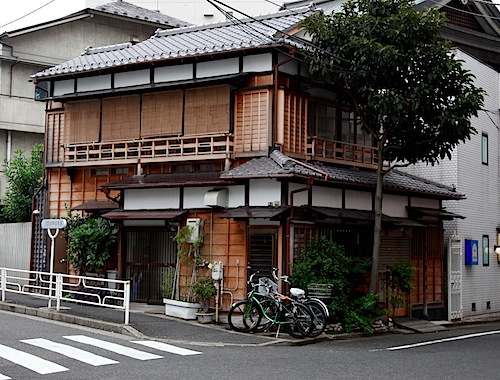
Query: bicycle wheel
[319,321]
[243,316]
[298,320]
[269,307]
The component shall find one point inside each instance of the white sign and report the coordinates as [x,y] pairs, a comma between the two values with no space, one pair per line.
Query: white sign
[57,224]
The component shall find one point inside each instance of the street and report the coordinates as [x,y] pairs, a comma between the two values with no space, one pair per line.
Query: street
[33,348]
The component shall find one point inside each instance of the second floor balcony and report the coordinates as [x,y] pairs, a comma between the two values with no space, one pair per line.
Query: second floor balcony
[174,149]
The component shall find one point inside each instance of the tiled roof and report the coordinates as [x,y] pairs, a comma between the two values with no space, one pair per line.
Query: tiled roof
[185,42]
[122,8]
[279,165]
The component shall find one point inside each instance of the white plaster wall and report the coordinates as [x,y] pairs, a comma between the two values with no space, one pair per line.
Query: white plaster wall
[395,206]
[62,87]
[131,78]
[194,197]
[173,73]
[236,196]
[99,82]
[326,197]
[263,191]
[358,200]
[257,63]
[217,67]
[151,199]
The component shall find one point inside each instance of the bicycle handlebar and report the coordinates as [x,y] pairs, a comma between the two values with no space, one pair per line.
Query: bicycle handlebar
[283,278]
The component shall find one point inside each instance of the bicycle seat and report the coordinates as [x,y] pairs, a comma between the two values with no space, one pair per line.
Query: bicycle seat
[298,293]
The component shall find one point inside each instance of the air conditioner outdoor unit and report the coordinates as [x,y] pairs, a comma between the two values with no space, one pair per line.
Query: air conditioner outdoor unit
[216,198]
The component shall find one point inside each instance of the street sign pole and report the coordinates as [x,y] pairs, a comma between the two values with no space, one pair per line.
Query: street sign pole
[49,224]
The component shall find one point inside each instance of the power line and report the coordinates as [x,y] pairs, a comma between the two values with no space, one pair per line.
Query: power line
[27,14]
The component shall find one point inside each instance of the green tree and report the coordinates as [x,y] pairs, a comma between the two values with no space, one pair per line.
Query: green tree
[410,92]
[24,177]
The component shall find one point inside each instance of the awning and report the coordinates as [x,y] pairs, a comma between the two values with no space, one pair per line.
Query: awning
[420,212]
[247,212]
[143,214]
[96,205]
[351,215]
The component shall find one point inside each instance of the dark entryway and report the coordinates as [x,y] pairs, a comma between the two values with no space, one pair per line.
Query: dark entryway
[262,251]
[148,254]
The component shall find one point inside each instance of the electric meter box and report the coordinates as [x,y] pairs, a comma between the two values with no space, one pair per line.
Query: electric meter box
[217,271]
[196,225]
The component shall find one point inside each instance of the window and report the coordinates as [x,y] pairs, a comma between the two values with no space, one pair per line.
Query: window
[486,250]
[97,172]
[484,149]
[42,90]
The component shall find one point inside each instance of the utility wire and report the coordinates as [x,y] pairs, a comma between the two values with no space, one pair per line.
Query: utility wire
[27,14]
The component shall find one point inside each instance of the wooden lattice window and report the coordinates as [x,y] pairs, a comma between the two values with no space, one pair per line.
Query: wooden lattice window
[295,123]
[252,121]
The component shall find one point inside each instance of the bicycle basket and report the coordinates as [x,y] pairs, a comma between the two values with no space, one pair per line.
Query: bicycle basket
[267,286]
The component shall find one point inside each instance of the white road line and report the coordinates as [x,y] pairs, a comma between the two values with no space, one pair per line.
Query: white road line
[442,340]
[167,347]
[71,352]
[3,377]
[113,347]
[32,362]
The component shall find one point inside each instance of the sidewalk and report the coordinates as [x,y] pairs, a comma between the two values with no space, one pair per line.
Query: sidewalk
[145,321]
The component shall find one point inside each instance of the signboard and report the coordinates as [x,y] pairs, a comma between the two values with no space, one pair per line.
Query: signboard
[56,224]
[471,252]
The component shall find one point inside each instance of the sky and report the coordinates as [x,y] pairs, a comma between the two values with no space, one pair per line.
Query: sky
[47,10]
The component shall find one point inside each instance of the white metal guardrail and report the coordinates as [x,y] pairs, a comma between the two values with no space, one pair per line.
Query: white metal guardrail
[96,291]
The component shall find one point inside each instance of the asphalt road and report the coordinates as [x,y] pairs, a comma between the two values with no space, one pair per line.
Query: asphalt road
[460,353]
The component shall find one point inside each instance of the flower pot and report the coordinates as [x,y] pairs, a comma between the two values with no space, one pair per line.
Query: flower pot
[181,309]
[205,317]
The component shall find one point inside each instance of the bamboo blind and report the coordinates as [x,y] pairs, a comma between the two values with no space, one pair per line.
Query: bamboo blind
[295,123]
[252,121]
[121,118]
[82,120]
[162,114]
[207,110]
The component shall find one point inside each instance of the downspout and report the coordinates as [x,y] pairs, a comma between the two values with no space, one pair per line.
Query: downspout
[9,145]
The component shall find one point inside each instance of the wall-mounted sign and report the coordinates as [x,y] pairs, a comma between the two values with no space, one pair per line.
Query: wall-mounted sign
[471,252]
[54,224]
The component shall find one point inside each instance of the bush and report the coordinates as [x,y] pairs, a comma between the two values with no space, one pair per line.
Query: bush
[326,262]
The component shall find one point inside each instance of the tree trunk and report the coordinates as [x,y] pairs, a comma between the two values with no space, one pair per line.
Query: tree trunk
[378,219]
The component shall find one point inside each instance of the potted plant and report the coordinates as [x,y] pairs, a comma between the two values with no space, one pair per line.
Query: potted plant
[180,300]
[204,289]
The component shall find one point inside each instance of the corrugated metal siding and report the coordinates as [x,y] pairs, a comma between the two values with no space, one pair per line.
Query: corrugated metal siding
[15,245]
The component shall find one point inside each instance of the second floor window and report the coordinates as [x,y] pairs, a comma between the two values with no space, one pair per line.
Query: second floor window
[484,149]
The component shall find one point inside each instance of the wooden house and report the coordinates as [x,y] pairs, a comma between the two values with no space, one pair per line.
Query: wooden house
[222,127]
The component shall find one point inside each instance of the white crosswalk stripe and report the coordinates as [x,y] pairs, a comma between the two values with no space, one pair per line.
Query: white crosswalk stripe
[3,377]
[113,347]
[167,347]
[71,352]
[29,361]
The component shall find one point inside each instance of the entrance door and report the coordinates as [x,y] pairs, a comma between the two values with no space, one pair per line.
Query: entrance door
[262,251]
[149,254]
[454,278]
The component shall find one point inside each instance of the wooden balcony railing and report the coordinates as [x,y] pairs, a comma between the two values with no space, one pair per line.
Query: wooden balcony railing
[341,152]
[200,147]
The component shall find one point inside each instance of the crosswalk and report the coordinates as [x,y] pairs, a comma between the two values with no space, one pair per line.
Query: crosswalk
[44,367]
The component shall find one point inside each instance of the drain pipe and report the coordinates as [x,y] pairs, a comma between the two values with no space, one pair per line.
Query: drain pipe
[9,145]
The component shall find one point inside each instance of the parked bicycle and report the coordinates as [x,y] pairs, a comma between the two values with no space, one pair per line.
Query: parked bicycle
[265,304]
[318,307]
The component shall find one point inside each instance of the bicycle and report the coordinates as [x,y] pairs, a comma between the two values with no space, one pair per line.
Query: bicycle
[276,309]
[318,307]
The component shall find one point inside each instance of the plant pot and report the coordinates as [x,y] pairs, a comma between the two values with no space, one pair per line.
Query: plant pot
[205,317]
[181,309]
